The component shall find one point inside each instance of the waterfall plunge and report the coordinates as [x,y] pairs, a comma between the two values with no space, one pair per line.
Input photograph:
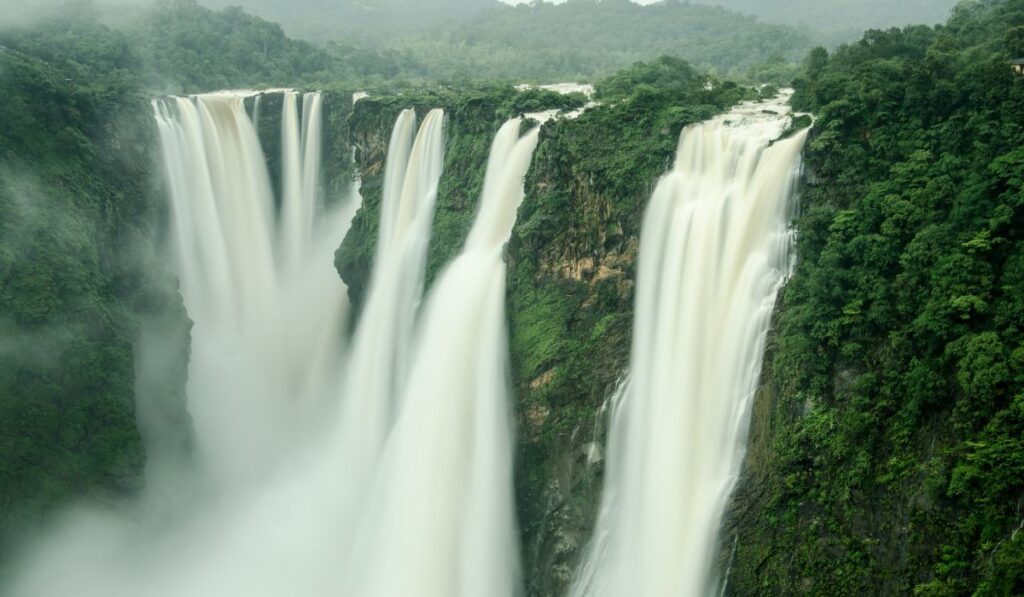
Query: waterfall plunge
[441,521]
[376,371]
[714,253]
[261,288]
[306,498]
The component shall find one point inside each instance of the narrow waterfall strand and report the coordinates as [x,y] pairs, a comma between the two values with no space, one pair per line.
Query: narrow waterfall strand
[384,331]
[291,180]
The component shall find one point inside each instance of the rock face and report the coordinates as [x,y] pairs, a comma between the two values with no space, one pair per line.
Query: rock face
[572,263]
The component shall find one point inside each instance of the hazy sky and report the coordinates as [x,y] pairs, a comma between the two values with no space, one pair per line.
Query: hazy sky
[561,1]
[848,17]
[828,15]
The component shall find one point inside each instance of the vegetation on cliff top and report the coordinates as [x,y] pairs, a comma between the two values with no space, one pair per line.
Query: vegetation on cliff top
[586,39]
[175,47]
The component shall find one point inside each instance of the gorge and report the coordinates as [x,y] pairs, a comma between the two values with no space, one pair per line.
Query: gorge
[672,335]
[307,448]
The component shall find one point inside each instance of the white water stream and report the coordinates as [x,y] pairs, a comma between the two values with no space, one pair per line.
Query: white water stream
[442,518]
[714,252]
[259,286]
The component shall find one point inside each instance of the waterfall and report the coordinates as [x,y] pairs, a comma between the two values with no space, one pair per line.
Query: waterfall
[383,467]
[375,373]
[378,469]
[441,522]
[714,253]
[261,289]
[300,173]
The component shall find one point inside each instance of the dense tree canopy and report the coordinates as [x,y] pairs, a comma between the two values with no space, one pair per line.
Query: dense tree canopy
[587,38]
[899,351]
[171,47]
[77,274]
[843,19]
[179,45]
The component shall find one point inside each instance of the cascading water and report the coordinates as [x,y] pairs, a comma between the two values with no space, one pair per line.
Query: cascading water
[301,171]
[258,280]
[441,521]
[714,252]
[374,375]
[312,473]
[386,471]
[260,288]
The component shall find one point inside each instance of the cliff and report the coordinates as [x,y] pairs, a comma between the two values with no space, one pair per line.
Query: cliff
[571,264]
[886,453]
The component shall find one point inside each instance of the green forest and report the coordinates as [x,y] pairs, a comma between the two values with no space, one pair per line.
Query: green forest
[847,19]
[181,45]
[588,39]
[895,457]
[886,446]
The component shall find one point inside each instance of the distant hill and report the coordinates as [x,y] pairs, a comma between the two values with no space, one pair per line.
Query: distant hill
[367,21]
[379,22]
[590,37]
[446,39]
[845,17]
[580,38]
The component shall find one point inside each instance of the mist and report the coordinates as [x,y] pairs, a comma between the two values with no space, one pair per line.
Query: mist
[474,298]
[19,13]
[234,498]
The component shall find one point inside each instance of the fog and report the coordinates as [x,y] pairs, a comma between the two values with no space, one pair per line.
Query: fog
[22,12]
[385,18]
[822,15]
[848,17]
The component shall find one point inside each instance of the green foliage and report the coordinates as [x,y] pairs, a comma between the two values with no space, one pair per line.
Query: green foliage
[369,22]
[537,100]
[897,355]
[171,47]
[178,46]
[380,22]
[76,276]
[542,42]
[198,49]
[668,74]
